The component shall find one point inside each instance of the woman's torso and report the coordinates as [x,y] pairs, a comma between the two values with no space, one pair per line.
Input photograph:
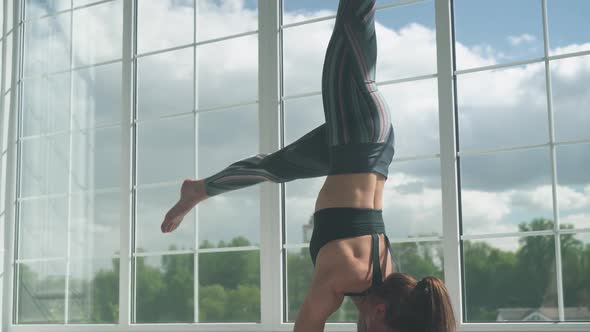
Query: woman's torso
[352,256]
[363,190]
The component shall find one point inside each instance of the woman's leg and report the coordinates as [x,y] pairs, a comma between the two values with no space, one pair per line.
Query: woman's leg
[354,109]
[307,157]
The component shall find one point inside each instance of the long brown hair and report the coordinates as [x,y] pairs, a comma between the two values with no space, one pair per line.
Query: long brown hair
[417,306]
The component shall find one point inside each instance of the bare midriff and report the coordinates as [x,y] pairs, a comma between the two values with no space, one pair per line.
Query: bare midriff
[362,190]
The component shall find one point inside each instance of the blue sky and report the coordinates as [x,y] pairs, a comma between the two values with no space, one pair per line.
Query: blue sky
[488,22]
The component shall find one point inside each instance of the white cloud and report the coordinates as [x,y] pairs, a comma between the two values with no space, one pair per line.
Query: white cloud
[500,107]
[579,220]
[525,38]
[485,212]
[417,212]
[570,199]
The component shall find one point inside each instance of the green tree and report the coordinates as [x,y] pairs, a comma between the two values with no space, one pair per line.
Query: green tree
[149,287]
[418,259]
[105,295]
[212,303]
[299,273]
[176,302]
[243,304]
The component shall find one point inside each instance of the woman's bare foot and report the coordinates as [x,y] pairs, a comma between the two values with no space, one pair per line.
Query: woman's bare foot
[191,193]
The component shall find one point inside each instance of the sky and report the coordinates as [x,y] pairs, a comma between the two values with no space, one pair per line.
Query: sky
[499,109]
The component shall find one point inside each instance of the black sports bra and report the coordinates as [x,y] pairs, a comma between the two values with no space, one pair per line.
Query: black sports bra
[377,274]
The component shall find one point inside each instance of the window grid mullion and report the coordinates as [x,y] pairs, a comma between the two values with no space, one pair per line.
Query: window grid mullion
[127,166]
[552,149]
[269,138]
[196,160]
[70,172]
[448,151]
[16,84]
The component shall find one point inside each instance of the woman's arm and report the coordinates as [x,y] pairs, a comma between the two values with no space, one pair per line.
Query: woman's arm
[322,300]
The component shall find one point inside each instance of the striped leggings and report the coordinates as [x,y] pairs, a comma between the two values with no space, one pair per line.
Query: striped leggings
[357,136]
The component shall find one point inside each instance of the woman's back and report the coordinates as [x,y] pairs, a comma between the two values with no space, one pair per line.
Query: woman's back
[350,258]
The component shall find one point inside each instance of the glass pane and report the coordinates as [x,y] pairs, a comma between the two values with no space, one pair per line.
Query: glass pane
[78,3]
[164,24]
[482,41]
[165,84]
[95,224]
[571,97]
[419,259]
[413,200]
[3,137]
[97,96]
[569,28]
[301,116]
[406,41]
[41,293]
[491,270]
[299,273]
[214,15]
[43,228]
[575,252]
[6,112]
[225,137]
[2,53]
[2,20]
[9,18]
[165,150]
[96,160]
[46,105]
[228,72]
[164,289]
[36,8]
[414,111]
[302,66]
[304,10]
[152,205]
[229,287]
[503,108]
[98,33]
[237,213]
[47,44]
[45,165]
[573,191]
[8,68]
[502,191]
[300,197]
[94,291]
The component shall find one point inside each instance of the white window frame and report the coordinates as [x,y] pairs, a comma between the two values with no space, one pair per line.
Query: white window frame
[271,258]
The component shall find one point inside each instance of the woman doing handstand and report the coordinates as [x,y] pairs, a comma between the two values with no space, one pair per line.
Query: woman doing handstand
[353,149]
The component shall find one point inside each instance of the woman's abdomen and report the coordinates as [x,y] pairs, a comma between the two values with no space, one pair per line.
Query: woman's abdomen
[361,190]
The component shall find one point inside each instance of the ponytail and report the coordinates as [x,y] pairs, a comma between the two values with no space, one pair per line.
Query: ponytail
[422,306]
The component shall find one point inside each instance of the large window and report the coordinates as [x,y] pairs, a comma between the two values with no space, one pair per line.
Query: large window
[522,107]
[115,102]
[70,151]
[194,111]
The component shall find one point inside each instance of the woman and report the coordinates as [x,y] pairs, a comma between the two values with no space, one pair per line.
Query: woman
[353,149]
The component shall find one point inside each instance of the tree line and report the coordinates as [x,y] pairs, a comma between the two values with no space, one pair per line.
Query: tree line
[229,282]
